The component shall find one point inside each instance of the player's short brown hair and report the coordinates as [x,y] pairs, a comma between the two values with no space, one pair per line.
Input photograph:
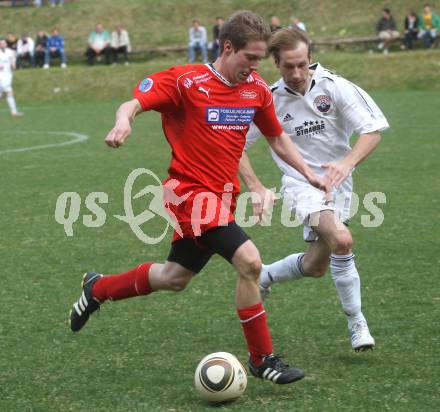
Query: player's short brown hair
[243,27]
[287,39]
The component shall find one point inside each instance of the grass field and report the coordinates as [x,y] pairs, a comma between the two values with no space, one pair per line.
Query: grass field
[140,355]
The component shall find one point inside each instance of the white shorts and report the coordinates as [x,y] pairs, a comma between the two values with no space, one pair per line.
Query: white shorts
[5,84]
[303,200]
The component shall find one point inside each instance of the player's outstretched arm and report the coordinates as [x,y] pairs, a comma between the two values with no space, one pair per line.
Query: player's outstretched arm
[122,128]
[338,171]
[265,198]
[284,147]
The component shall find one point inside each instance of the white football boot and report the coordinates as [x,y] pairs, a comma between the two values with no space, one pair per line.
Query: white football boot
[361,339]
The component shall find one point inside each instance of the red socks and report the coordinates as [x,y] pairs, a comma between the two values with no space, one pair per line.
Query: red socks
[256,332]
[124,285]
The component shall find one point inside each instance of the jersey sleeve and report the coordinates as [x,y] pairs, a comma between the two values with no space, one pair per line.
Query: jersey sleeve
[358,108]
[252,136]
[159,92]
[265,118]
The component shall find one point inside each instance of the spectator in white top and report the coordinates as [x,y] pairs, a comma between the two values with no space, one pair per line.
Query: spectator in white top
[25,51]
[120,43]
[99,44]
[198,41]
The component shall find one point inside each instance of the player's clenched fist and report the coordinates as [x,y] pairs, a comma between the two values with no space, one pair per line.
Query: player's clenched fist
[118,134]
[122,129]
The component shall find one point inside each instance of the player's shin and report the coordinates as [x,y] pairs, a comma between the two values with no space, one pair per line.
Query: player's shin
[258,339]
[347,282]
[11,103]
[134,282]
[285,269]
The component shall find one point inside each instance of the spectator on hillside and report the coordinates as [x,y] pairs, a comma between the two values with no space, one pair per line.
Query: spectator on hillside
[198,41]
[25,51]
[411,29]
[275,24]
[53,3]
[386,30]
[429,23]
[55,48]
[11,41]
[40,48]
[120,43]
[99,44]
[296,23]
[215,37]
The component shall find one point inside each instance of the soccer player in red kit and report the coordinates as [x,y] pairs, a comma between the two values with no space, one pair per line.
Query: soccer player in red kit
[206,111]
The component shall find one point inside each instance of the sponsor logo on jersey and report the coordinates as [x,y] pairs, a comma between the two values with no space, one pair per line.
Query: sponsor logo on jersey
[310,128]
[202,78]
[323,103]
[145,85]
[248,94]
[230,115]
[187,83]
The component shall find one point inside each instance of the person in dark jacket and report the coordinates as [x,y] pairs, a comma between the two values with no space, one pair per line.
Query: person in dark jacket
[386,29]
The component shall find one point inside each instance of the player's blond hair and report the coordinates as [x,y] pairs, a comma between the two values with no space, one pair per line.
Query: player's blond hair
[288,39]
[243,27]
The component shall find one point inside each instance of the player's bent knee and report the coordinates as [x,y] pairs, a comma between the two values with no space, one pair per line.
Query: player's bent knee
[343,243]
[251,269]
[177,283]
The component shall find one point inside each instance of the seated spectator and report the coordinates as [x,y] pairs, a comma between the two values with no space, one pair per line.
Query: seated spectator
[386,30]
[296,23]
[429,25]
[411,29]
[198,41]
[11,41]
[275,24]
[120,43]
[215,37]
[99,44]
[25,51]
[40,48]
[55,48]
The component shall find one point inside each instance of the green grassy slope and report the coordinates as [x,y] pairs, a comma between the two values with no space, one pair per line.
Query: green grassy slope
[156,23]
[400,71]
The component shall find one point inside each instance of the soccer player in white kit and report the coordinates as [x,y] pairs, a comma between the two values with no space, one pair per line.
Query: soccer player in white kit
[320,111]
[7,65]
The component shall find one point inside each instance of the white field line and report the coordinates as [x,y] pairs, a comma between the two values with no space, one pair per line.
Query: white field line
[76,138]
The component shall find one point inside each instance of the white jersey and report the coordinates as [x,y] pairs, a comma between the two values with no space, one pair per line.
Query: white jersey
[321,122]
[7,61]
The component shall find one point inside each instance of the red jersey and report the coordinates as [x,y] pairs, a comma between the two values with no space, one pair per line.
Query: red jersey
[205,120]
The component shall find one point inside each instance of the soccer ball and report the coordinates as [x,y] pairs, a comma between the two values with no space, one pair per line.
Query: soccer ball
[220,377]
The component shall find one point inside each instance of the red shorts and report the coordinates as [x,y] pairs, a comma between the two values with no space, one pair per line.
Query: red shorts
[195,209]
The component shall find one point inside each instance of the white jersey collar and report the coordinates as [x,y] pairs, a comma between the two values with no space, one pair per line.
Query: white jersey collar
[318,74]
[219,75]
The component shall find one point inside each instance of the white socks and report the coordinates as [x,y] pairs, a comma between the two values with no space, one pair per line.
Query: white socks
[11,102]
[348,285]
[284,269]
